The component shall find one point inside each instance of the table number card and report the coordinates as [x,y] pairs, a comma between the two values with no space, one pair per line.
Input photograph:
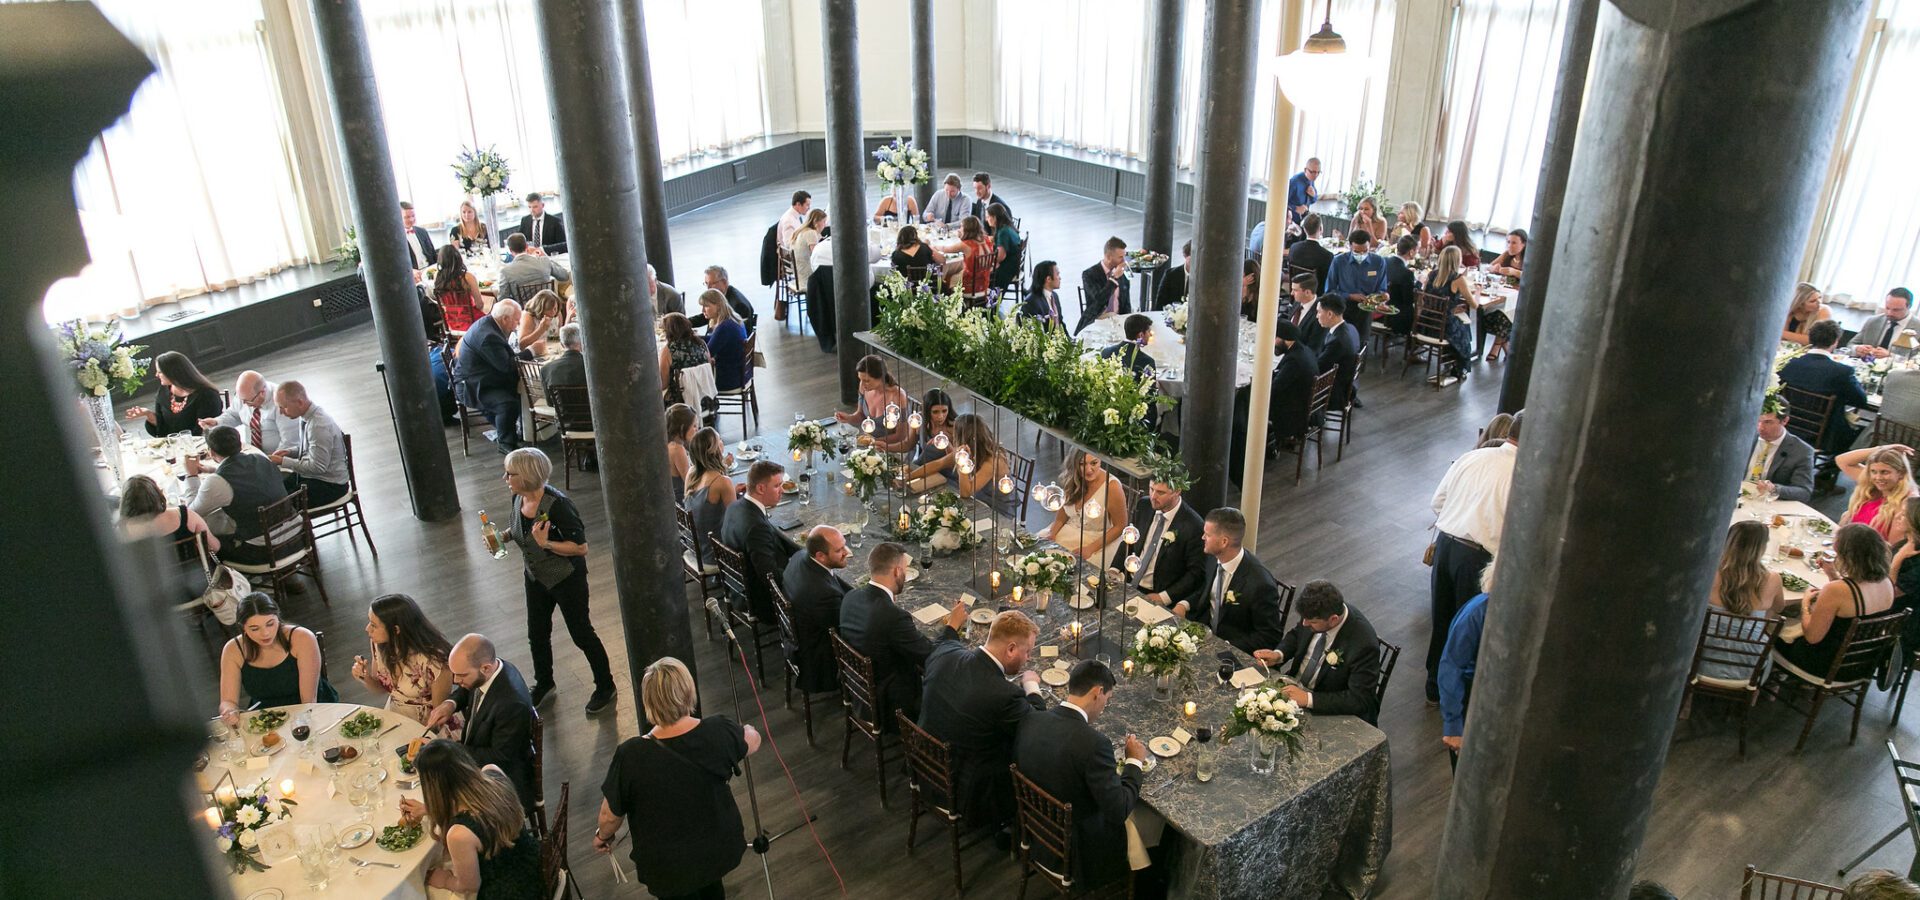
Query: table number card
[1049,652]
[1182,735]
[931,613]
[968,599]
[1247,677]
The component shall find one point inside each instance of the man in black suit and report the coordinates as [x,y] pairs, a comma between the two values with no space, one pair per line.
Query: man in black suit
[1241,602]
[1172,560]
[569,369]
[1307,252]
[1061,753]
[419,243]
[1402,285]
[747,530]
[543,229]
[983,197]
[969,703]
[1104,290]
[1780,460]
[1818,372]
[1335,654]
[1043,295]
[1340,350]
[872,623]
[815,592]
[1173,285]
[1132,352]
[1306,312]
[487,372]
[492,698]
[715,279]
[1287,401]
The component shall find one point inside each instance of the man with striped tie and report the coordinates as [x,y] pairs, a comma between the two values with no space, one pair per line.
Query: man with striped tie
[254,414]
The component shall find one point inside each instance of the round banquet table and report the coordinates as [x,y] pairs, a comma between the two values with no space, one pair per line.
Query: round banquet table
[313,806]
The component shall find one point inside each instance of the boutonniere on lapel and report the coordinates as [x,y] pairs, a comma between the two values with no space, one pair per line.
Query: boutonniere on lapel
[1166,537]
[1232,599]
[1332,658]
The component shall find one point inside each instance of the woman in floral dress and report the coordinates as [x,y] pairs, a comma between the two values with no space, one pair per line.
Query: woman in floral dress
[409,660]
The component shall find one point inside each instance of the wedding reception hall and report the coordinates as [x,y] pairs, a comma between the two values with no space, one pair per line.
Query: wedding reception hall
[984,448]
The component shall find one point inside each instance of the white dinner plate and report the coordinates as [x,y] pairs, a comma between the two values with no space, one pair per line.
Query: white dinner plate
[356,835]
[1164,746]
[982,617]
[267,893]
[1083,599]
[1055,677]
[913,575]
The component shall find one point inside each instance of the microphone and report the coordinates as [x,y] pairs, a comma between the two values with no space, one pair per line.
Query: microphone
[726,624]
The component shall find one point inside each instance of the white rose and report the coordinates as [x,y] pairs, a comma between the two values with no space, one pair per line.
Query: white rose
[1157,642]
[1271,724]
[225,844]
[1033,568]
[249,839]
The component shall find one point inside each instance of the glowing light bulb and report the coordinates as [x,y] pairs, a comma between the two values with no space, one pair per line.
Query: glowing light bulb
[893,409]
[1006,484]
[892,420]
[799,455]
[940,440]
[1093,509]
[1133,563]
[914,421]
[1130,534]
[866,425]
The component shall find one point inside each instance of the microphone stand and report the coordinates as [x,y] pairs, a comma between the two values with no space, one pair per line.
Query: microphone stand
[762,841]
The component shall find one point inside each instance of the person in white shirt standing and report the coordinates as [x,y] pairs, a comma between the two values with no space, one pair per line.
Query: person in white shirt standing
[256,416]
[1471,507]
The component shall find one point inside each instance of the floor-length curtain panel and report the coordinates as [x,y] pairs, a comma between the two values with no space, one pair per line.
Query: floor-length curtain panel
[1871,244]
[1497,100]
[1073,72]
[709,94]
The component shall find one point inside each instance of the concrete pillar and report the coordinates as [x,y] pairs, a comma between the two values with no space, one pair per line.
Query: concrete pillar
[1220,228]
[646,138]
[1593,625]
[1163,126]
[846,185]
[920,19]
[578,40]
[1576,50]
[360,124]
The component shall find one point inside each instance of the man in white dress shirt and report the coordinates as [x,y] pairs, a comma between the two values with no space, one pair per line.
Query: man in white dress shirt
[255,416]
[419,243]
[791,220]
[1471,506]
[316,452]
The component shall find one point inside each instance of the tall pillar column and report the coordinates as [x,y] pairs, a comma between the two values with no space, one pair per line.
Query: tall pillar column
[360,124]
[1569,92]
[1586,651]
[1220,226]
[646,138]
[1163,124]
[847,184]
[920,22]
[609,258]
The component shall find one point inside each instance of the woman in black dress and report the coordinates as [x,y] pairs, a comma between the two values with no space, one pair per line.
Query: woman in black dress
[672,782]
[185,397]
[911,257]
[553,540]
[491,853]
[1860,587]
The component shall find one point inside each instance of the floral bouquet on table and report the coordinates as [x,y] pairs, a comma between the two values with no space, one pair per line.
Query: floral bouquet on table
[1166,649]
[1788,354]
[1378,304]
[942,524]
[1267,715]
[481,172]
[102,360]
[867,472]
[901,164]
[348,251]
[242,813]
[810,437]
[1044,570]
[1177,318]
[1141,260]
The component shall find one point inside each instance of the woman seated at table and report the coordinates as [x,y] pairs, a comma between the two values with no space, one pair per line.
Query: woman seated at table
[1006,247]
[406,659]
[1511,262]
[936,419]
[804,240]
[1744,587]
[1806,309]
[977,260]
[955,251]
[457,292]
[541,316]
[878,391]
[1906,578]
[680,350]
[1410,220]
[709,489]
[726,341]
[468,231]
[1860,588]
[1456,236]
[1368,219]
[1883,481]
[144,513]
[185,397]
[673,784]
[989,464]
[911,257]
[277,663]
[489,852]
[1250,290]
[1089,523]
[1448,280]
[681,422]
[888,208]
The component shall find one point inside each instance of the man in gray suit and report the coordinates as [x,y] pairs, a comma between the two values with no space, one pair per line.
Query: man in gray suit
[1877,334]
[1780,461]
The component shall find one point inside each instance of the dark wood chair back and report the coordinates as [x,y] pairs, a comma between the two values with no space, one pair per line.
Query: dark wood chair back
[1046,833]
[859,690]
[1906,776]
[1893,431]
[1732,642]
[1021,468]
[1430,315]
[691,553]
[1389,656]
[1758,885]
[284,526]
[1322,398]
[929,767]
[555,873]
[783,616]
[539,769]
[1808,412]
[733,574]
[1868,643]
[573,408]
[522,293]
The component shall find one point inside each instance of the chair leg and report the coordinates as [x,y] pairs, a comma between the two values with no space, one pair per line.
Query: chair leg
[1859,703]
[360,513]
[913,820]
[806,704]
[788,702]
[1900,696]
[846,741]
[880,766]
[1819,697]
[959,879]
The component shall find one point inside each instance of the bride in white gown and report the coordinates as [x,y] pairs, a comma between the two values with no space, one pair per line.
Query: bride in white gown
[1089,524]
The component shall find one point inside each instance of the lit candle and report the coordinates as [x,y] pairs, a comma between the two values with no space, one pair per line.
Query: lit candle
[798,456]
[1126,668]
[213,818]
[1074,629]
[1191,709]
[906,521]
[1017,591]
[995,580]
[286,788]
[225,795]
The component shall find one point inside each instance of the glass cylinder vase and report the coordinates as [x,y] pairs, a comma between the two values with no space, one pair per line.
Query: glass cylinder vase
[490,211]
[1163,685]
[1264,753]
[100,415]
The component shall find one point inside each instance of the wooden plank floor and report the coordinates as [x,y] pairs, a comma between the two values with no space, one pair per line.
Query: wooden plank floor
[1360,522]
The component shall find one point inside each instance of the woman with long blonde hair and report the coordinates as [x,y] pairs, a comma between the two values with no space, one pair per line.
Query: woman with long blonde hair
[1093,511]
[1742,585]
[476,816]
[468,231]
[1883,480]
[1367,218]
[1807,308]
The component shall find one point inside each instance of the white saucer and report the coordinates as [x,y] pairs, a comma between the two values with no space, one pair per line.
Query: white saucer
[982,617]
[1055,677]
[1164,746]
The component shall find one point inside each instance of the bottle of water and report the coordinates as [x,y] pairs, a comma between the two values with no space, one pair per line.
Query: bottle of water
[490,538]
[1202,754]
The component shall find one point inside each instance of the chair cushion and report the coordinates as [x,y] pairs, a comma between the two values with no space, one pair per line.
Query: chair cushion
[330,507]
[693,565]
[541,409]
[1725,684]
[1811,678]
[262,569]
[1429,339]
[577,435]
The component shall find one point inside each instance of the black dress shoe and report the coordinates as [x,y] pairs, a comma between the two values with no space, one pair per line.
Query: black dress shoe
[540,694]
[600,701]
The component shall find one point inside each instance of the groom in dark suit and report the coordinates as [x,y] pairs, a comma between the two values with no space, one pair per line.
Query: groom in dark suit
[1172,560]
[969,703]
[1104,286]
[543,229]
[492,698]
[1335,654]
[872,622]
[815,592]
[1241,602]
[1062,754]
[1817,372]
[747,530]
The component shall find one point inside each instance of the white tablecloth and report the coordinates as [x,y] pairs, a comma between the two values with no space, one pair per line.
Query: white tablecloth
[1791,533]
[1168,349]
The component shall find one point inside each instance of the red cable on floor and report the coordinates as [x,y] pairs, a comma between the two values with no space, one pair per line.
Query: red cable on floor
[767,730]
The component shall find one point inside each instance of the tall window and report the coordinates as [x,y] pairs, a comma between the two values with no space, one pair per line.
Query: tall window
[709,93]
[1501,69]
[1870,242]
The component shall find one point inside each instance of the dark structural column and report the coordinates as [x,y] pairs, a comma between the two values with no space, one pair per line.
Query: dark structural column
[920,21]
[1220,228]
[56,96]
[646,138]
[1592,627]
[1576,50]
[577,39]
[1163,125]
[846,185]
[360,126]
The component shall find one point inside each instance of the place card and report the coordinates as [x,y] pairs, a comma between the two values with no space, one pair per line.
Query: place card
[1048,652]
[304,767]
[1182,735]
[982,526]
[1149,613]
[931,613]
[1248,677]
[969,599]
[255,762]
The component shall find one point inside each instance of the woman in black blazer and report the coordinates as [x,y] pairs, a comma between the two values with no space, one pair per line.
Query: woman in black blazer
[185,397]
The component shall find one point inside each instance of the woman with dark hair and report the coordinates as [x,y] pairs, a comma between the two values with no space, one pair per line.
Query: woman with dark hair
[974,277]
[681,421]
[709,488]
[408,659]
[989,463]
[1250,291]
[1456,235]
[1514,260]
[1043,295]
[680,350]
[490,852]
[1860,587]
[144,513]
[911,257]
[457,292]
[185,397]
[1006,246]
[936,420]
[878,391]
[276,662]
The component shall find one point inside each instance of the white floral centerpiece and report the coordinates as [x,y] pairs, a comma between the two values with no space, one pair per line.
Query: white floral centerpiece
[1177,318]
[1166,649]
[1271,718]
[103,363]
[1044,570]
[941,522]
[242,812]
[810,437]
[901,164]
[481,172]
[867,471]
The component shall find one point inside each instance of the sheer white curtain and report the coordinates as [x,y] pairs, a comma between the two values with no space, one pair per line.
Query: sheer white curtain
[1871,242]
[709,74]
[193,190]
[1498,98]
[1072,71]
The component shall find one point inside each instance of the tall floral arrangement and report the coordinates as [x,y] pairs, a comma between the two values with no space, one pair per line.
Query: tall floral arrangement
[348,252]
[900,164]
[1363,188]
[481,172]
[102,360]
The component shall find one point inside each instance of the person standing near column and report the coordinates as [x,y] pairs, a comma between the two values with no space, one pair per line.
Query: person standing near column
[1471,506]
[553,541]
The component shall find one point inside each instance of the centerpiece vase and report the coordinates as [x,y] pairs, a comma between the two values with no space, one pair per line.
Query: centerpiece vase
[900,203]
[100,414]
[490,210]
[1163,686]
[1264,753]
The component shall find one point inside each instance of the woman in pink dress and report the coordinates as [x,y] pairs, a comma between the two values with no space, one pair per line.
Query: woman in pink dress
[408,659]
[1883,479]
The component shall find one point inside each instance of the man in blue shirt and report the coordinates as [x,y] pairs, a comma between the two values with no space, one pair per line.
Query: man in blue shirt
[1300,190]
[1356,274]
[1458,663]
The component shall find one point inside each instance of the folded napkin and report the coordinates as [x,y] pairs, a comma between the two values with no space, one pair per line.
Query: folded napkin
[930,613]
[982,526]
[1248,677]
[1150,613]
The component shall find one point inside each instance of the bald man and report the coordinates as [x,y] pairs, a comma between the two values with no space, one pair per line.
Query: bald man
[315,455]
[488,374]
[254,415]
[492,698]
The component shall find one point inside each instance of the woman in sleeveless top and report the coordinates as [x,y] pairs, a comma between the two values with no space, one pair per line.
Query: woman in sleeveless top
[1448,280]
[1744,587]
[935,439]
[475,816]
[680,350]
[1367,218]
[878,390]
[468,232]
[184,400]
[709,490]
[1883,482]
[1805,310]
[406,659]
[457,291]
[989,464]
[680,425]
[277,663]
[912,258]
[1860,588]
[144,513]
[977,262]
[1089,523]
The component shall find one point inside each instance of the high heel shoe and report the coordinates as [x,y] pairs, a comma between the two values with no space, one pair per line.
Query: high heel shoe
[1494,354]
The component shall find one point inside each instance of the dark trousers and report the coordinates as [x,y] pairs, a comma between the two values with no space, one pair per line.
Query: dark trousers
[1456,579]
[571,596]
[319,493]
[504,414]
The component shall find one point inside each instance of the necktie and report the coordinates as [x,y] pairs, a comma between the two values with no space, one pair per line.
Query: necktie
[1153,547]
[536,230]
[1757,469]
[1317,654]
[1886,335]
[1219,595]
[253,429]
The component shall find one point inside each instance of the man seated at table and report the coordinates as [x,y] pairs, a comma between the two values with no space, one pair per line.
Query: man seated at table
[1302,290]
[815,592]
[1132,352]
[1241,603]
[569,369]
[764,548]
[793,218]
[1818,372]
[1104,290]
[230,493]
[970,703]
[1173,285]
[1287,401]
[947,206]
[487,372]
[1402,285]
[1459,662]
[1339,350]
[528,271]
[544,231]
[1308,254]
[1876,337]
[666,297]
[1355,275]
[256,416]
[983,197]
[1781,461]
[715,279]
[872,622]
[315,455]
[1061,753]
[492,699]
[1172,558]
[1334,654]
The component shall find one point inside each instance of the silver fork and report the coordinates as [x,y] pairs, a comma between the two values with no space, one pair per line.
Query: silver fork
[363,863]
